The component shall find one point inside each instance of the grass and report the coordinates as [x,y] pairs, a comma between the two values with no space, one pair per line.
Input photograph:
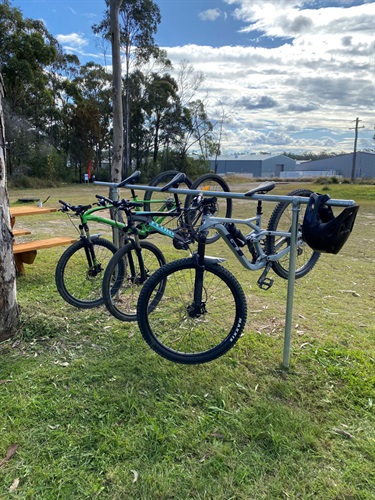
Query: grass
[96,414]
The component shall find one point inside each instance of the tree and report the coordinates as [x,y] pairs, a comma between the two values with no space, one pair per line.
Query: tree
[139,21]
[116,91]
[117,108]
[26,50]
[160,100]
[33,68]
[8,298]
[93,86]
[85,133]
[197,129]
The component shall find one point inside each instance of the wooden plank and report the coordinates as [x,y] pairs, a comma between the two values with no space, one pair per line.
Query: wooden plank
[20,232]
[39,244]
[28,210]
[26,252]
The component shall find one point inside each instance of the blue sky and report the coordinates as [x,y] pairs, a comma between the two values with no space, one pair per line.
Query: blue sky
[288,75]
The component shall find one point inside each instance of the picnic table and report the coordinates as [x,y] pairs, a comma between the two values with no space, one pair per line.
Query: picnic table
[25,253]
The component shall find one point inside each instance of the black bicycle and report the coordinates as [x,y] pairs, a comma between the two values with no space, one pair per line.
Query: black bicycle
[132,267]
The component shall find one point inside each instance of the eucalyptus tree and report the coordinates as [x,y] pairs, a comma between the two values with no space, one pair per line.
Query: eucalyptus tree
[26,49]
[8,296]
[160,102]
[32,64]
[85,134]
[138,24]
[94,85]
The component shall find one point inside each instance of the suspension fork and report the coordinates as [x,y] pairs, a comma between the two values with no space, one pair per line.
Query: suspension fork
[138,251]
[89,247]
[198,307]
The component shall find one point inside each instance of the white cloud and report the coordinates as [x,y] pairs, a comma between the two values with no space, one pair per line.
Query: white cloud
[284,18]
[74,40]
[302,91]
[209,15]
[298,87]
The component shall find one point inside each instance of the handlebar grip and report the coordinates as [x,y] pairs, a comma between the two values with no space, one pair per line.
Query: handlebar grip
[104,198]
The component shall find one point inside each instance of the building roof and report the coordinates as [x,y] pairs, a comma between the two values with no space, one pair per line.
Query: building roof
[247,157]
[337,157]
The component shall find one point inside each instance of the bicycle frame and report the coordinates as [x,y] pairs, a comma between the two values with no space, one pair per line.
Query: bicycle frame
[254,237]
[148,223]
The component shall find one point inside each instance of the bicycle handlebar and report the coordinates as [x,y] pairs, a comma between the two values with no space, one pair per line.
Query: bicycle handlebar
[78,209]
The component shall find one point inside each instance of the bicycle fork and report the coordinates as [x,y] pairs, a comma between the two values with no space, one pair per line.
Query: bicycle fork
[140,277]
[94,268]
[198,306]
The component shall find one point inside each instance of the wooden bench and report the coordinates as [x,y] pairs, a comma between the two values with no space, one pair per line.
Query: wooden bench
[26,252]
[20,232]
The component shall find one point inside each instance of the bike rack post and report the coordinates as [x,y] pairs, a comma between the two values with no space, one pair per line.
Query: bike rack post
[291,280]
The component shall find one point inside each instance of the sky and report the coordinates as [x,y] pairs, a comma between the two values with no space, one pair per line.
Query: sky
[285,75]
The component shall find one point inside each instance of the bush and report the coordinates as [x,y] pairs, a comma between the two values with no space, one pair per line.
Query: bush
[26,182]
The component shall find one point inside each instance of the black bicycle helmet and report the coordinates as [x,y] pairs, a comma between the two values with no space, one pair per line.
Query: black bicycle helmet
[321,230]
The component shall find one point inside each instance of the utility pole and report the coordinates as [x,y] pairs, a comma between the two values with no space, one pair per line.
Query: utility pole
[355,146]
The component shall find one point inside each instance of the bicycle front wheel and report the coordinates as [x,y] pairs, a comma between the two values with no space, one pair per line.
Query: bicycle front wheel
[185,332]
[223,206]
[130,269]
[78,278]
[281,220]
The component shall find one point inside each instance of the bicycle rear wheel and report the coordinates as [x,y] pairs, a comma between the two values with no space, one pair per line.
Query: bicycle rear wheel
[281,220]
[174,330]
[156,201]
[223,206]
[78,280]
[130,269]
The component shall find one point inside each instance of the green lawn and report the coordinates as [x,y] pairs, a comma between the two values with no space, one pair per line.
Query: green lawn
[96,414]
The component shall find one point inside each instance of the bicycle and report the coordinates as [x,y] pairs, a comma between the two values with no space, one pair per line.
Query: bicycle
[201,312]
[80,269]
[122,303]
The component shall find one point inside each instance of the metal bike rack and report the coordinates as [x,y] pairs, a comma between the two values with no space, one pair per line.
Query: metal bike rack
[296,202]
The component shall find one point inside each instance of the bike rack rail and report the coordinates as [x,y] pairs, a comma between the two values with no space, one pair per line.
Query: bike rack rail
[296,202]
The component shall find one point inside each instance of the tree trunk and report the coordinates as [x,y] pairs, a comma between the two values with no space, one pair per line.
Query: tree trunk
[116,93]
[9,311]
[118,123]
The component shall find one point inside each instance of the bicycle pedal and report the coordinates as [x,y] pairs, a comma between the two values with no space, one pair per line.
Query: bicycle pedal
[265,283]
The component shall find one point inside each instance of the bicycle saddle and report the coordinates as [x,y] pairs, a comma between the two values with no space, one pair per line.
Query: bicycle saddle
[131,179]
[177,179]
[262,188]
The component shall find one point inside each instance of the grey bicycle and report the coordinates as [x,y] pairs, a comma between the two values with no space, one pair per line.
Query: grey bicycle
[201,312]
